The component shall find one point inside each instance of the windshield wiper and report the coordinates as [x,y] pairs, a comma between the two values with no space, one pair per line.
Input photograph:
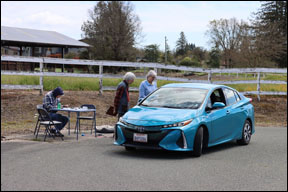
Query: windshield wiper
[188,108]
[169,107]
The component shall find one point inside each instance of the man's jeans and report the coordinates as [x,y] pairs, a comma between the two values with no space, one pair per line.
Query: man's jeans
[61,118]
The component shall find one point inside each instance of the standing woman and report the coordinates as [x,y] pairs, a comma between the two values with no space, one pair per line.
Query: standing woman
[147,86]
[121,101]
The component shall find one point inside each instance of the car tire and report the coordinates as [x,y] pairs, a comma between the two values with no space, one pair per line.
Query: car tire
[198,143]
[130,148]
[246,134]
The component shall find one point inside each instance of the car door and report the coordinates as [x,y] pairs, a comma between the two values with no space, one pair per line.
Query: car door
[234,113]
[219,120]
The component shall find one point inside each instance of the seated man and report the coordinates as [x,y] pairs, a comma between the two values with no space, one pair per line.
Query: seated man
[51,99]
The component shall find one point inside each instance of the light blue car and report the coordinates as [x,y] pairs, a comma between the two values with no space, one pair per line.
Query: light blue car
[187,117]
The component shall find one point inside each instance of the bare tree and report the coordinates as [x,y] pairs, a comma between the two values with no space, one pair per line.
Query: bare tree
[256,50]
[226,35]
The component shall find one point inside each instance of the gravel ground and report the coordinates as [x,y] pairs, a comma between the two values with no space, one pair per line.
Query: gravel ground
[18,108]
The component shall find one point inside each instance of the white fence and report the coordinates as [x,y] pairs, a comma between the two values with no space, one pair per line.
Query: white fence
[101,75]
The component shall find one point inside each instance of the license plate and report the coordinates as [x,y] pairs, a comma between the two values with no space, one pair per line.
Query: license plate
[139,137]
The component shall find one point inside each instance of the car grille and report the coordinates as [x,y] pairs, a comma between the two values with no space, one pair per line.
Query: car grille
[154,136]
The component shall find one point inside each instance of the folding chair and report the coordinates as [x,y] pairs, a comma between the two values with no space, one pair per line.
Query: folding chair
[93,118]
[38,117]
[45,119]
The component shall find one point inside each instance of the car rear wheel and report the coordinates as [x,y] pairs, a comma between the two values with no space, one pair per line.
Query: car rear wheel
[198,143]
[246,134]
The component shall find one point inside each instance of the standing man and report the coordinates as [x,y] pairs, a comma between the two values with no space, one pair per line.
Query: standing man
[121,101]
[51,99]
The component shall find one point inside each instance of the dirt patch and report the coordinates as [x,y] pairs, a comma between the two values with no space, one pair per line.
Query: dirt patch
[18,109]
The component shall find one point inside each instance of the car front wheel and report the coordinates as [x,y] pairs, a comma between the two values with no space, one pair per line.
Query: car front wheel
[246,134]
[130,148]
[198,143]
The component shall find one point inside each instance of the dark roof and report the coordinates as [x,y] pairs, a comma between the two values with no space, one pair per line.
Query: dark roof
[14,36]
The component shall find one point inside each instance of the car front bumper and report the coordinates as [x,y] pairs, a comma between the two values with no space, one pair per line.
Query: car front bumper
[167,139]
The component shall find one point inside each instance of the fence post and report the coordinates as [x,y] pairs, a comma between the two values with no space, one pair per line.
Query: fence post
[41,78]
[100,80]
[258,86]
[210,76]
[156,70]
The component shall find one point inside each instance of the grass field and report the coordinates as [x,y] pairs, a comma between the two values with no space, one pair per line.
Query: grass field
[92,84]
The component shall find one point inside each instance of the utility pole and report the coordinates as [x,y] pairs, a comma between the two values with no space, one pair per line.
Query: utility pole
[165,50]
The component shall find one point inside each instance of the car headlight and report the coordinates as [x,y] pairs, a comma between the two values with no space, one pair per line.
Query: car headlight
[122,121]
[181,124]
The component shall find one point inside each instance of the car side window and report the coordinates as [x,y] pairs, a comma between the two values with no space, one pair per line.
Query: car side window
[237,96]
[216,96]
[230,96]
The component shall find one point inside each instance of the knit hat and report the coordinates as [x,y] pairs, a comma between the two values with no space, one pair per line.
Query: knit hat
[57,91]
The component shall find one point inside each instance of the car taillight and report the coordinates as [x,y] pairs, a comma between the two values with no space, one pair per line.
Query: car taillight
[250,100]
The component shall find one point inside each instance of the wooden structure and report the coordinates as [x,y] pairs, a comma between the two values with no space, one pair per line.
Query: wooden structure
[35,39]
[156,66]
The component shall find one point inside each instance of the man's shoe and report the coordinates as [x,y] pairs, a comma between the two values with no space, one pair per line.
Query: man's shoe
[59,134]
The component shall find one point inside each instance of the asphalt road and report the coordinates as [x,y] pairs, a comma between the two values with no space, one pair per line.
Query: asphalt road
[96,164]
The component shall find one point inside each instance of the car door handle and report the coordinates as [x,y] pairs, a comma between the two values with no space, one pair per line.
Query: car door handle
[227,112]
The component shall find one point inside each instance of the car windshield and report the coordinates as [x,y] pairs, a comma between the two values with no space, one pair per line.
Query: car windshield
[176,97]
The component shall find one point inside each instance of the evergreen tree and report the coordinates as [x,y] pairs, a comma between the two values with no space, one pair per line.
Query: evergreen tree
[112,30]
[152,53]
[190,46]
[181,45]
[214,61]
[271,27]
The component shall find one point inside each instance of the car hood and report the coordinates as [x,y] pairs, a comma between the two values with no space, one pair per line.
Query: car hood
[151,116]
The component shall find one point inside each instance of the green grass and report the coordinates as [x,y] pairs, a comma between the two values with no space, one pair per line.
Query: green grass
[276,77]
[92,84]
[19,80]
[263,87]
[242,76]
[71,83]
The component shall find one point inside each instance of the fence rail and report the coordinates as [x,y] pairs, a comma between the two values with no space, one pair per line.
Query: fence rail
[101,64]
[136,64]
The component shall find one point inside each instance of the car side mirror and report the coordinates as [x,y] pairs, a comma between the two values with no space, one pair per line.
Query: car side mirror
[217,105]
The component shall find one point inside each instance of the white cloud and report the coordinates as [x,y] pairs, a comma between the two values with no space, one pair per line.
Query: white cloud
[161,19]
[48,18]
[63,17]
[189,17]
[158,19]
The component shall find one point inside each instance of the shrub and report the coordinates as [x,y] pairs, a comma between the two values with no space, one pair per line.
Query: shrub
[187,61]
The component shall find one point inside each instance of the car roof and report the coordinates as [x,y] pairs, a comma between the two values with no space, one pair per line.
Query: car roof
[193,85]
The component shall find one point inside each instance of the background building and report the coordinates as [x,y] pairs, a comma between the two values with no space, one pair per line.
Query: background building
[35,43]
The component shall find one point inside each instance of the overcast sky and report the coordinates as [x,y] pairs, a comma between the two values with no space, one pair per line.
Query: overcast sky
[158,19]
